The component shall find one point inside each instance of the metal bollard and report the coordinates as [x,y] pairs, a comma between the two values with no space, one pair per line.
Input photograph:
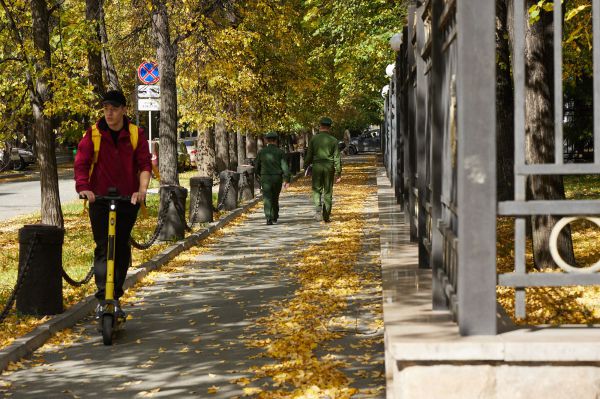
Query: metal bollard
[201,206]
[41,290]
[173,226]
[295,163]
[246,182]
[228,189]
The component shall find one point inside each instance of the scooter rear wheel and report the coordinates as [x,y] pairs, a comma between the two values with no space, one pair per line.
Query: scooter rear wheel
[107,329]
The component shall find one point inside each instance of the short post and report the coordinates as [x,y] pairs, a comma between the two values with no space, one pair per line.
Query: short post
[246,182]
[40,267]
[228,189]
[201,206]
[174,223]
[295,162]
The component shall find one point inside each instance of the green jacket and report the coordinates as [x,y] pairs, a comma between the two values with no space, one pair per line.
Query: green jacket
[324,148]
[271,161]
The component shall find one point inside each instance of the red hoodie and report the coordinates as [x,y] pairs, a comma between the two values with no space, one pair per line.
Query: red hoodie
[117,166]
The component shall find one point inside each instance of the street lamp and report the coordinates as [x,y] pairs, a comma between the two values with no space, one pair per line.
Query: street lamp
[389,70]
[385,90]
[396,42]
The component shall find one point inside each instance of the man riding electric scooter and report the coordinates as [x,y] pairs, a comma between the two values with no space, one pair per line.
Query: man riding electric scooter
[112,154]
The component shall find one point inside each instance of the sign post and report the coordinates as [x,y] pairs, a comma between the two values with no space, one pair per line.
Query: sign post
[148,93]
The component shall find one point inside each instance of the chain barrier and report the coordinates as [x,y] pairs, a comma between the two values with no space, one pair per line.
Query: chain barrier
[159,225]
[227,186]
[20,279]
[193,212]
[76,283]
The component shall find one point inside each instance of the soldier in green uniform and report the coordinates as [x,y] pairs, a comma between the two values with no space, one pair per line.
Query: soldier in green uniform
[323,155]
[272,169]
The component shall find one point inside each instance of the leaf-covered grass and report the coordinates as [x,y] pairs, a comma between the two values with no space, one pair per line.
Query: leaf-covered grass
[561,305]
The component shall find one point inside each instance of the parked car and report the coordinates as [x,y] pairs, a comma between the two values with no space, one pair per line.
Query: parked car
[190,145]
[367,141]
[183,157]
[21,158]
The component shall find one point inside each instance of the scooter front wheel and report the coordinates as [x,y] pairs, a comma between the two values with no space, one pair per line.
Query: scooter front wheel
[107,328]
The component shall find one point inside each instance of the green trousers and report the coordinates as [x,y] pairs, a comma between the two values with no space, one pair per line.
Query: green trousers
[271,188]
[322,186]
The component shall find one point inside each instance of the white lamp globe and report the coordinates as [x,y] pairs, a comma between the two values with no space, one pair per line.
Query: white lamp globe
[396,42]
[389,70]
[385,90]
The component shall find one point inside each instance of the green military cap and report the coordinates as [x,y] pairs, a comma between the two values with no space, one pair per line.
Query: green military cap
[326,121]
[271,135]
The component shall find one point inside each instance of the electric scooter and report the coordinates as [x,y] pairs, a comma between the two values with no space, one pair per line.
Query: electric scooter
[109,323]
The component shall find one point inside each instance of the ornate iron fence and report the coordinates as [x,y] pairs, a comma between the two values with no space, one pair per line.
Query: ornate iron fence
[440,154]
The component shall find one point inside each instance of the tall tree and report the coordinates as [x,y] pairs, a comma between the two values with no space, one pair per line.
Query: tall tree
[504,105]
[166,51]
[539,135]
[206,153]
[94,52]
[222,146]
[40,96]
[108,66]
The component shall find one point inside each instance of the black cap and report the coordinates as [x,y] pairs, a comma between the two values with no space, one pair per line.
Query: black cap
[325,121]
[114,97]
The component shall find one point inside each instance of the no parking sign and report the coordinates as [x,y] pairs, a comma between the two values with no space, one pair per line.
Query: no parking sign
[148,73]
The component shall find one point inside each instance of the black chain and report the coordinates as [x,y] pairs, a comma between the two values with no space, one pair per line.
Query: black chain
[75,283]
[20,280]
[159,225]
[180,212]
[194,210]
[227,186]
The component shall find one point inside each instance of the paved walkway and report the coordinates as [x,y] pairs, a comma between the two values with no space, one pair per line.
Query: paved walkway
[188,332]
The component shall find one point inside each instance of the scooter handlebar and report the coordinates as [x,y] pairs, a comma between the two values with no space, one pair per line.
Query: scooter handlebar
[124,198]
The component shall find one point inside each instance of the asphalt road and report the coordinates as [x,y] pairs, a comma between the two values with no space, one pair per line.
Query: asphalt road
[24,197]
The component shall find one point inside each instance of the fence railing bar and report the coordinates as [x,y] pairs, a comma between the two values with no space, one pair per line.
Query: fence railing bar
[596,60]
[520,236]
[519,98]
[551,169]
[558,88]
[547,279]
[549,207]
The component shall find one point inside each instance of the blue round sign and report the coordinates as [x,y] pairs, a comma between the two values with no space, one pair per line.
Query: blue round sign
[148,73]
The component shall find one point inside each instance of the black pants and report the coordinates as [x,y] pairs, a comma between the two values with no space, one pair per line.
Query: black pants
[126,217]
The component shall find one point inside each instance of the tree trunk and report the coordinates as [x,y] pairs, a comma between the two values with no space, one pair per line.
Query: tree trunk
[259,143]
[92,15]
[241,147]
[233,155]
[206,162]
[222,146]
[167,58]
[110,72]
[539,137]
[504,107]
[44,137]
[251,146]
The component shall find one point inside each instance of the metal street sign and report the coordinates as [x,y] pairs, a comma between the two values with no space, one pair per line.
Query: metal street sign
[148,73]
[148,104]
[148,91]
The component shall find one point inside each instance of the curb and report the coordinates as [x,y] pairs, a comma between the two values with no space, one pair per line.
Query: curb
[27,344]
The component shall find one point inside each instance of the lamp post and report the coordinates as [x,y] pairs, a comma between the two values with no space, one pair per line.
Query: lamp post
[396,42]
[395,147]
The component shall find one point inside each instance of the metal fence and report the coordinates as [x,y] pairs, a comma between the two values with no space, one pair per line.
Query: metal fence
[440,154]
